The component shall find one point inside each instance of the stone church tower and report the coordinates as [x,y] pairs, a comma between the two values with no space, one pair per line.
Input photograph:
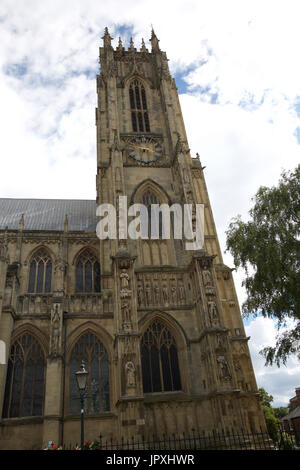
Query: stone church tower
[158,326]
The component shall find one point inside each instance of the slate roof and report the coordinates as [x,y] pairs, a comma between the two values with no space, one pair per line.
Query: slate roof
[48,214]
[293,414]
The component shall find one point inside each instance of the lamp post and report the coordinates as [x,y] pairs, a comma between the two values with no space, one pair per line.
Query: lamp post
[81,378]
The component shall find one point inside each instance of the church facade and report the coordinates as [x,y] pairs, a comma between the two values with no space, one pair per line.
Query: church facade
[158,327]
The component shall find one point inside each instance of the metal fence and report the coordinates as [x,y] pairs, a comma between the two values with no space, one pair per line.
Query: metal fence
[197,440]
[214,440]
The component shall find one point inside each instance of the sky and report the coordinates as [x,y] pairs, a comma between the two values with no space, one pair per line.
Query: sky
[237,71]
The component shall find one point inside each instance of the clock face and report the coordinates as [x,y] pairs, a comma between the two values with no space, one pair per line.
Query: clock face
[144,149]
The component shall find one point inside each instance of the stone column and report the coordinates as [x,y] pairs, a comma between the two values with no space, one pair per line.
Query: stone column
[54,375]
[127,349]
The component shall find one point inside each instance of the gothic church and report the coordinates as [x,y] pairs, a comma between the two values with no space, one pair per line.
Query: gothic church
[158,327]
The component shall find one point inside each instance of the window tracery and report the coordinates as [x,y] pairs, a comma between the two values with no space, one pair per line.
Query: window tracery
[25,384]
[138,106]
[40,273]
[87,273]
[159,356]
[90,350]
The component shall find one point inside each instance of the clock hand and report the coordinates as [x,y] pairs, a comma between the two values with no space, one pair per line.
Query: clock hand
[144,148]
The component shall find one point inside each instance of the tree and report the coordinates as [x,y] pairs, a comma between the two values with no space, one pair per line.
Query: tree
[281,411]
[272,421]
[267,247]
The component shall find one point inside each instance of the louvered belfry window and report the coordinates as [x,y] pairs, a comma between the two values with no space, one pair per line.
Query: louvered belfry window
[87,273]
[40,273]
[138,105]
[159,360]
[25,383]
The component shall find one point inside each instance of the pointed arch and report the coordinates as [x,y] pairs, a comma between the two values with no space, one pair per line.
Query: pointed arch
[159,355]
[138,105]
[40,270]
[87,271]
[89,347]
[152,186]
[25,382]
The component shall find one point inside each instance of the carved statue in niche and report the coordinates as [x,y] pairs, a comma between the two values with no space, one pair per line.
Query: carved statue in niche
[221,342]
[125,312]
[223,368]
[55,331]
[237,365]
[124,279]
[140,294]
[213,313]
[130,374]
[156,294]
[174,294]
[185,176]
[165,294]
[148,293]
[207,277]
[181,293]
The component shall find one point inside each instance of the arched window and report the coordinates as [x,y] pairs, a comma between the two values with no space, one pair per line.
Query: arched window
[90,350]
[159,360]
[40,273]
[138,106]
[87,273]
[25,383]
[149,198]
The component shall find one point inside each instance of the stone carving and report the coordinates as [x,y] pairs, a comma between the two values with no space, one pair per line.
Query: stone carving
[174,294]
[148,293]
[125,307]
[165,294]
[160,290]
[156,290]
[55,331]
[181,293]
[223,368]
[237,365]
[213,313]
[207,278]
[140,295]
[130,374]
[220,343]
[124,279]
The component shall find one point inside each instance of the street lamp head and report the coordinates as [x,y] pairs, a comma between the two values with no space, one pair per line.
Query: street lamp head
[81,377]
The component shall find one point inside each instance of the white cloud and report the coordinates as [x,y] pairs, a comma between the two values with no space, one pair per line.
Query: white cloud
[245,54]
[279,382]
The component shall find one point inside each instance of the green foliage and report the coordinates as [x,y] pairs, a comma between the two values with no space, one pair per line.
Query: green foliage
[281,411]
[286,442]
[267,247]
[272,422]
[264,397]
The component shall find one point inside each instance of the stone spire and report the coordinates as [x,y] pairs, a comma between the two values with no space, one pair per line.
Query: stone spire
[107,38]
[120,45]
[143,47]
[131,48]
[154,41]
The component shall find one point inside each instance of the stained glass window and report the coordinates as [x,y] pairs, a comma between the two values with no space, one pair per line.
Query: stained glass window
[25,383]
[90,350]
[87,273]
[40,273]
[159,360]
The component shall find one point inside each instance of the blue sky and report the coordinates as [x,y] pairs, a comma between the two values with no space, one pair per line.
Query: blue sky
[237,71]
